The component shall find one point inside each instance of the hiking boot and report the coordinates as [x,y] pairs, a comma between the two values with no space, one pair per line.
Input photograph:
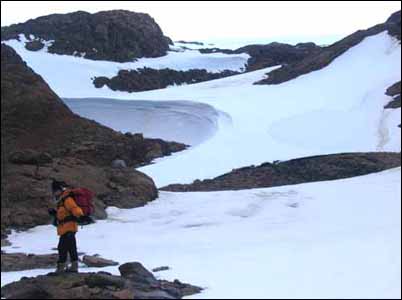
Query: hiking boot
[73,268]
[61,268]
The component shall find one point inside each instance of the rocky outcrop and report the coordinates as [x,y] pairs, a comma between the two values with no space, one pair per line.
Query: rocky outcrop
[41,140]
[146,79]
[395,92]
[269,55]
[321,59]
[135,282]
[303,170]
[275,54]
[116,35]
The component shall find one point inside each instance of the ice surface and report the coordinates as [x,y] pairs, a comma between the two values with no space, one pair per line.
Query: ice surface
[186,122]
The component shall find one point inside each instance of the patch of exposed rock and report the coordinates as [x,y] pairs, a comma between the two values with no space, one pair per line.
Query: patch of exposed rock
[273,54]
[116,35]
[323,58]
[146,79]
[135,282]
[395,92]
[296,171]
[41,140]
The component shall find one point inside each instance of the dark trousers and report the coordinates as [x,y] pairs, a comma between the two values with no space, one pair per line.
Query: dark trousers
[67,244]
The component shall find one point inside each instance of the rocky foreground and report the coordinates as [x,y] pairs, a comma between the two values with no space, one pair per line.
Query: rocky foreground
[135,282]
[295,171]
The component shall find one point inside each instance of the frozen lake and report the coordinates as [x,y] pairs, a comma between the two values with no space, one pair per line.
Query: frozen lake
[186,122]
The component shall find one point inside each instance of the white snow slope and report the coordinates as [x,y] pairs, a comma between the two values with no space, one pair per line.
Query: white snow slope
[337,239]
[336,109]
[328,239]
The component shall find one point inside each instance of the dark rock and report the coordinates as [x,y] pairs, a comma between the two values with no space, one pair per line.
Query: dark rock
[20,261]
[394,104]
[30,157]
[98,262]
[43,140]
[119,163]
[160,269]
[116,35]
[136,272]
[34,45]
[5,243]
[99,285]
[394,89]
[191,43]
[318,60]
[146,79]
[296,171]
[274,54]
[269,55]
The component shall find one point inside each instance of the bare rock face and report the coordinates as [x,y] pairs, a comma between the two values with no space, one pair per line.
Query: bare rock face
[135,283]
[323,58]
[41,140]
[295,171]
[116,35]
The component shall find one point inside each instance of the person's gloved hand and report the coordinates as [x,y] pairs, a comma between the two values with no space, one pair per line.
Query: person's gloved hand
[52,211]
[85,220]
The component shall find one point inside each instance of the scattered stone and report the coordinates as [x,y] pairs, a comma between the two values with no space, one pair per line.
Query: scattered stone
[96,261]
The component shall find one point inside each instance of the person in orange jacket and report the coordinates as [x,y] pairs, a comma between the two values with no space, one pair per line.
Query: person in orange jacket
[67,215]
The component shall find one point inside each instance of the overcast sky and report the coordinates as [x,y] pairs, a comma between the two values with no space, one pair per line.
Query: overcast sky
[194,20]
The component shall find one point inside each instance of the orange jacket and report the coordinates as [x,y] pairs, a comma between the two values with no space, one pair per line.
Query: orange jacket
[66,208]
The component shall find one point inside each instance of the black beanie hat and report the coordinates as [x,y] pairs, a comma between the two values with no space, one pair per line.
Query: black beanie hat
[58,185]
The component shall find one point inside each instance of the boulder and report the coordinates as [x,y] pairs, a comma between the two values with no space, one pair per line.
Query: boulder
[136,272]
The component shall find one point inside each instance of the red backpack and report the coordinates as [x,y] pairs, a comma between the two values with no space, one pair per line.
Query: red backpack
[83,198]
